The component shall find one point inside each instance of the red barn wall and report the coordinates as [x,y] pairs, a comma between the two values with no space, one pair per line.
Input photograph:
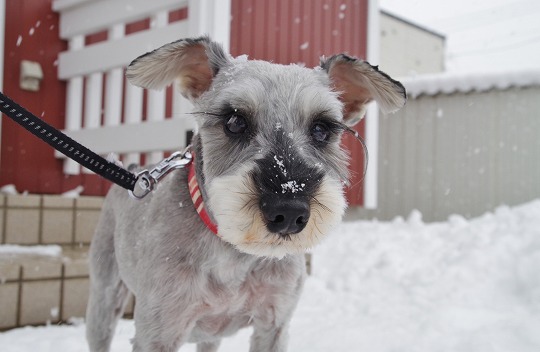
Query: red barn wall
[282,31]
[300,31]
[28,163]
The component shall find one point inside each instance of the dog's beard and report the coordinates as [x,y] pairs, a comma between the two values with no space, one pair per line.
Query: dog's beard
[234,205]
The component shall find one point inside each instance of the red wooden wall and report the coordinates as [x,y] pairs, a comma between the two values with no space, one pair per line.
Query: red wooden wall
[282,31]
[300,31]
[32,34]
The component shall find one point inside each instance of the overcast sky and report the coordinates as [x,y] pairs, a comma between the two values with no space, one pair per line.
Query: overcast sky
[482,35]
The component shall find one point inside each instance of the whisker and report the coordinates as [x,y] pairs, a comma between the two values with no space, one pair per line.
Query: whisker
[318,229]
[364,148]
[322,206]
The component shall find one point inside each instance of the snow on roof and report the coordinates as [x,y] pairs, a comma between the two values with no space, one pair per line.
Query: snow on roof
[447,83]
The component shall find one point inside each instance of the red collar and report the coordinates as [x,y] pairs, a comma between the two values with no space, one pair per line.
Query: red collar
[196,197]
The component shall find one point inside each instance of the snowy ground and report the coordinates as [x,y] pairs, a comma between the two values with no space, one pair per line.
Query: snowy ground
[463,286]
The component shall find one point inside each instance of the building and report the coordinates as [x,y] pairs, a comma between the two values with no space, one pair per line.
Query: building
[408,49]
[64,37]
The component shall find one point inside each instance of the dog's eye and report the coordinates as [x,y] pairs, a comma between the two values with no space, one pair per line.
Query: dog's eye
[236,124]
[320,132]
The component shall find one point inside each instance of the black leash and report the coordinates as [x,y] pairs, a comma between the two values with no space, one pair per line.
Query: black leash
[138,185]
[66,145]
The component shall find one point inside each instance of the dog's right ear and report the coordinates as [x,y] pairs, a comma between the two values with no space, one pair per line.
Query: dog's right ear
[357,83]
[194,62]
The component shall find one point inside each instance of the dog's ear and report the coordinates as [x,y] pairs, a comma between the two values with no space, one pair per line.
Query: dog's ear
[194,62]
[358,83]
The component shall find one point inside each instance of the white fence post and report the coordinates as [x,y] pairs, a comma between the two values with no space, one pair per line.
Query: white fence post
[133,115]
[156,98]
[93,99]
[212,17]
[74,106]
[2,31]
[372,117]
[84,67]
[114,85]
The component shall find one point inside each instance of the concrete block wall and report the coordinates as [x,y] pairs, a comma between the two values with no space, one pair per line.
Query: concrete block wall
[44,219]
[38,289]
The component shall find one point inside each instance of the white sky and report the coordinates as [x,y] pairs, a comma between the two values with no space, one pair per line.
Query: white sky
[481,35]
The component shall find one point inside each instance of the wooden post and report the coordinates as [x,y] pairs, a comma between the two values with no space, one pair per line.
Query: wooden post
[92,103]
[74,96]
[114,85]
[156,98]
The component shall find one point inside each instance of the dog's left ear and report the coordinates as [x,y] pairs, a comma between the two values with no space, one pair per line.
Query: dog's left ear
[358,83]
[195,62]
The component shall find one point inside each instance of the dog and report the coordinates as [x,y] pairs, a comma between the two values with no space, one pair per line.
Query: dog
[267,177]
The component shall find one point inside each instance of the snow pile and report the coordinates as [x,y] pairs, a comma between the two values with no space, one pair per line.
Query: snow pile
[460,286]
[454,286]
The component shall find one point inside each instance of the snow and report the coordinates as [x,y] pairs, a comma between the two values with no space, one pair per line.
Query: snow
[73,193]
[460,285]
[46,250]
[241,58]
[280,164]
[292,187]
[9,189]
[433,84]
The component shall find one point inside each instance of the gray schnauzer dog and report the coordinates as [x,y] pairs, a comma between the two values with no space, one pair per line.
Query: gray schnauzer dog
[268,177]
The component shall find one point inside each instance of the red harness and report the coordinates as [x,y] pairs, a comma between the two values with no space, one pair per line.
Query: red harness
[197,198]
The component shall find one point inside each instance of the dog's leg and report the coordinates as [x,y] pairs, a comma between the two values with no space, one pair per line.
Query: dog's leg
[108,294]
[272,339]
[208,346]
[163,321]
[159,335]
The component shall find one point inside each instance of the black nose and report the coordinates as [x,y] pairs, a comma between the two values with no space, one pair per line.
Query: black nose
[285,216]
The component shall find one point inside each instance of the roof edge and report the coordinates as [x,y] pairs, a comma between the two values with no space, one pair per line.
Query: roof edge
[450,82]
[411,23]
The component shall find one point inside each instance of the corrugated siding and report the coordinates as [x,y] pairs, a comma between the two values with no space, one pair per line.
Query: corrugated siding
[301,31]
[460,154]
[293,31]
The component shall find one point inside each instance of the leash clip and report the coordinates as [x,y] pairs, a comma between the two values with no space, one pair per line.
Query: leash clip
[147,180]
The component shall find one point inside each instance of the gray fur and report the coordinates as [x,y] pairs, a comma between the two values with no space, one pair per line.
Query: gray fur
[193,286]
[358,82]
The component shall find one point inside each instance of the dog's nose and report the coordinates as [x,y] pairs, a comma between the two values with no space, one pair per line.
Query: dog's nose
[285,216]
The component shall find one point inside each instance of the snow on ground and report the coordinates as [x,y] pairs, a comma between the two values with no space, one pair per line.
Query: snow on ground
[461,285]
[51,250]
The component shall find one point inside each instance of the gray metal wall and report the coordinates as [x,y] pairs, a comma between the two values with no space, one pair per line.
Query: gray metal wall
[461,153]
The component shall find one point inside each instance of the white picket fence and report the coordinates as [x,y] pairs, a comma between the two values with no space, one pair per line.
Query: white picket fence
[103,111]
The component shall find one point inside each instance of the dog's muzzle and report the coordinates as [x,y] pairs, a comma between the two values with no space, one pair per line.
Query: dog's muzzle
[285,185]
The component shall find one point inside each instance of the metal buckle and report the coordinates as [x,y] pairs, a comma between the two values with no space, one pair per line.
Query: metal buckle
[147,180]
